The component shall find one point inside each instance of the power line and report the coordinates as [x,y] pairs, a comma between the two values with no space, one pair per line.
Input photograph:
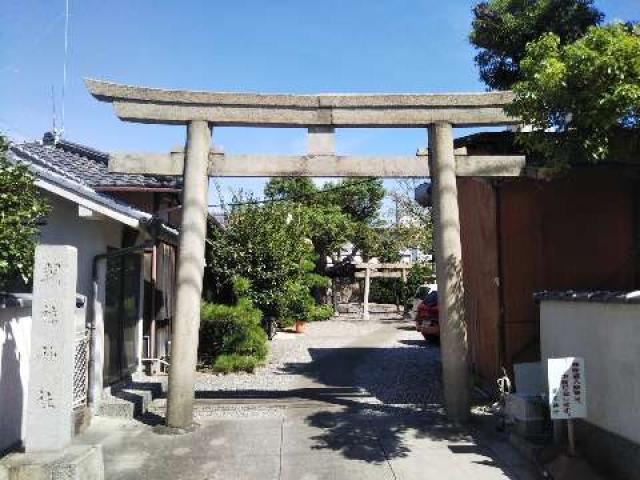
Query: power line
[291,199]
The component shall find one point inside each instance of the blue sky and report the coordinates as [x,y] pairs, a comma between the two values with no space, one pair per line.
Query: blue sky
[296,46]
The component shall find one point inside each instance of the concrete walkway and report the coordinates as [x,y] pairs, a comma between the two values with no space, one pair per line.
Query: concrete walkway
[334,422]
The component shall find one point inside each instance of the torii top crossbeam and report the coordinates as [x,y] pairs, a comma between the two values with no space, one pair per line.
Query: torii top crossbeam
[320,114]
[152,105]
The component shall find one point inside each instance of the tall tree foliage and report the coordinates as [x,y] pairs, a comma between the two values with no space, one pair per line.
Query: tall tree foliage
[502,29]
[269,246]
[587,92]
[361,199]
[21,209]
[300,189]
[338,213]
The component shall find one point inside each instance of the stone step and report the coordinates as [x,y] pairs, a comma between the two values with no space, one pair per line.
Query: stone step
[129,400]
[204,407]
[116,408]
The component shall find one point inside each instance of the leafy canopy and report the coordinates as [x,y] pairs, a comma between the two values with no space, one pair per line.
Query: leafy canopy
[588,91]
[269,246]
[339,213]
[502,29]
[358,198]
[21,209]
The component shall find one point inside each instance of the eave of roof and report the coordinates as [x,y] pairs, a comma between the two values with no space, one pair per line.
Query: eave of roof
[625,150]
[90,167]
[74,191]
[58,184]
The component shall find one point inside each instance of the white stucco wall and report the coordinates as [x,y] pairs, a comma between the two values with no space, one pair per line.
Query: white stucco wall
[607,336]
[15,339]
[90,237]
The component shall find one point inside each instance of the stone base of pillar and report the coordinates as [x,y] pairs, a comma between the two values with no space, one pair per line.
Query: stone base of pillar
[77,462]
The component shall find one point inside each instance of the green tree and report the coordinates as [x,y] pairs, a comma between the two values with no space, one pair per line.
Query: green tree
[360,201]
[22,208]
[587,92]
[269,246]
[294,188]
[502,29]
[359,198]
[339,213]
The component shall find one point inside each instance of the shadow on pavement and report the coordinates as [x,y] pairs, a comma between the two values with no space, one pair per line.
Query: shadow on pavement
[380,407]
[407,328]
[393,376]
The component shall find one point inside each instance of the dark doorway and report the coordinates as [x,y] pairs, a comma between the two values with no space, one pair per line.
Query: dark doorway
[121,316]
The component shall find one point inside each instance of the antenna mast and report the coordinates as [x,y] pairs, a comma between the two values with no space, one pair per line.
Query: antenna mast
[59,133]
[53,112]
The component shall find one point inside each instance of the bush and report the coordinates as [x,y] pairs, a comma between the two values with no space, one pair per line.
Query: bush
[227,363]
[419,274]
[22,208]
[228,332]
[386,290]
[320,313]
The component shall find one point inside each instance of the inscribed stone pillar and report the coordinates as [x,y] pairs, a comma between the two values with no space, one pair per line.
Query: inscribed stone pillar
[49,422]
[453,328]
[193,229]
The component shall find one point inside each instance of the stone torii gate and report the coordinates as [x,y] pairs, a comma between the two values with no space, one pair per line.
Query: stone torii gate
[320,114]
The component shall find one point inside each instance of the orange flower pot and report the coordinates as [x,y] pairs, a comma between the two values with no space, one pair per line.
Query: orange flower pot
[301,326]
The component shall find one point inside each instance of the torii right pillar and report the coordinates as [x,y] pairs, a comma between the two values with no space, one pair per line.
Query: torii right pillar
[453,326]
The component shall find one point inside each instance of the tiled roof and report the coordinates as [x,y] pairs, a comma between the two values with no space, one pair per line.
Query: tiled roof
[87,166]
[598,296]
[49,176]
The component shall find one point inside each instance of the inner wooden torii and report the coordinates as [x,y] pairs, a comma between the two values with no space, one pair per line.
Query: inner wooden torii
[370,270]
[321,115]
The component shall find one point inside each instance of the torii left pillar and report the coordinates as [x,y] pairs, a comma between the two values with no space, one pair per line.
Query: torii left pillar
[184,346]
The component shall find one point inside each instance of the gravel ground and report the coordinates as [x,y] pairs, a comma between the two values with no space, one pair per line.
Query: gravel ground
[379,363]
[288,350]
[402,370]
[407,373]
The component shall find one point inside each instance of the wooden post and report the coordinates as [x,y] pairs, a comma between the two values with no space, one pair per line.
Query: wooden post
[572,438]
[367,281]
[403,291]
[152,325]
[453,332]
[184,344]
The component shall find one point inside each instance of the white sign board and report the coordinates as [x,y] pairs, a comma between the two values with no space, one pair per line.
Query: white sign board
[567,388]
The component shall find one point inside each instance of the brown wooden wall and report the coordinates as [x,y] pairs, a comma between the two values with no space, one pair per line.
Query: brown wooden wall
[480,265]
[575,232]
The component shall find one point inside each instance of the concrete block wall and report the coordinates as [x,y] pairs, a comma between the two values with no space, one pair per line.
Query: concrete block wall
[607,336]
[15,341]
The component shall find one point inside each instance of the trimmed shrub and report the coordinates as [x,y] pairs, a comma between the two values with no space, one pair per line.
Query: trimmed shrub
[232,331]
[320,313]
[228,363]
